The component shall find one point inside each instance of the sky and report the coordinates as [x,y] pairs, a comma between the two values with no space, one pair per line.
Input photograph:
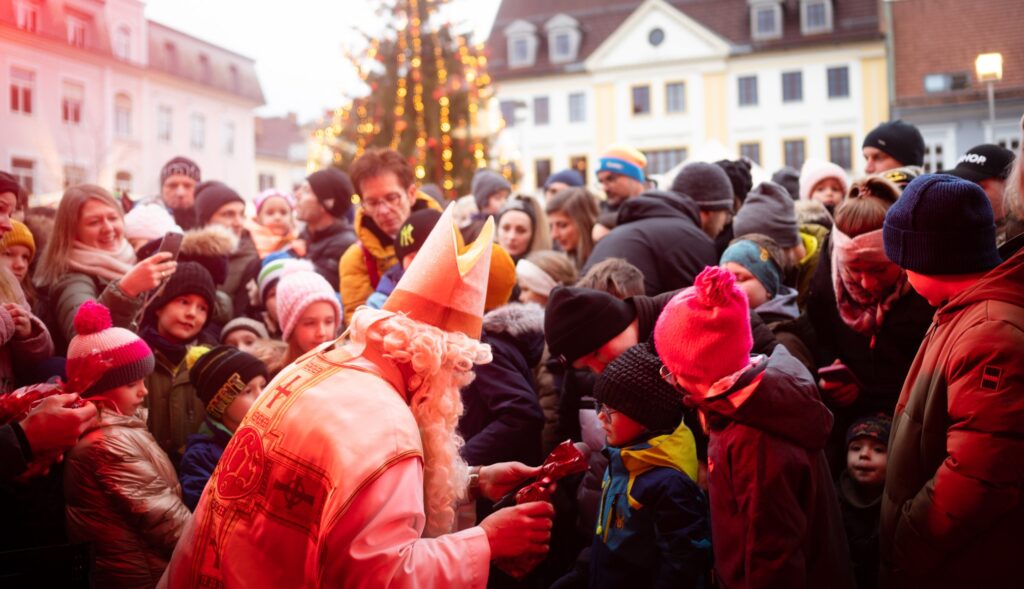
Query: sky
[297,44]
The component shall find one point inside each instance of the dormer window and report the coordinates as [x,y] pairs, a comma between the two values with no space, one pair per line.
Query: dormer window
[172,55]
[26,14]
[765,19]
[815,16]
[205,71]
[522,43]
[123,43]
[76,31]
[564,37]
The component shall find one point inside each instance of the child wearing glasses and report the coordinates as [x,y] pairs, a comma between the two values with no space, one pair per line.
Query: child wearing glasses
[652,526]
[775,518]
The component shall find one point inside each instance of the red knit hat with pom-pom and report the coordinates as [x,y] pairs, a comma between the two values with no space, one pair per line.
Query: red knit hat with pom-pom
[703,334]
[103,357]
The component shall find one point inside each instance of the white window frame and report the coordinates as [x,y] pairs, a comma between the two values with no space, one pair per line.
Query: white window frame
[25,176]
[123,182]
[197,131]
[67,167]
[71,110]
[26,15]
[537,101]
[123,43]
[24,87]
[682,97]
[577,111]
[164,123]
[756,7]
[229,137]
[805,26]
[122,115]
[525,33]
[265,180]
[76,31]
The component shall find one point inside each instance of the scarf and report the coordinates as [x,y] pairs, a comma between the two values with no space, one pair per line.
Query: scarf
[266,241]
[102,263]
[173,351]
[858,308]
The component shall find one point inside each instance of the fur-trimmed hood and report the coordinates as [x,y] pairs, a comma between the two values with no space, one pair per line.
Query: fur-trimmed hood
[520,325]
[212,240]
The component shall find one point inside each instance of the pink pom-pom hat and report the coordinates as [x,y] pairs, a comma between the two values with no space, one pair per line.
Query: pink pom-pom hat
[103,357]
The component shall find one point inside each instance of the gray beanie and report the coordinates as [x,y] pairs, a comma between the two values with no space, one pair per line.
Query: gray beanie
[707,184]
[768,210]
[485,183]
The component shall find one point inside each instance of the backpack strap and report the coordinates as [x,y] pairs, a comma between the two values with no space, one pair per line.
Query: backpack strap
[371,266]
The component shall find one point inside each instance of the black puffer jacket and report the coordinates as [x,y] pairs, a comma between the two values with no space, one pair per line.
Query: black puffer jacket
[659,233]
[503,420]
[324,248]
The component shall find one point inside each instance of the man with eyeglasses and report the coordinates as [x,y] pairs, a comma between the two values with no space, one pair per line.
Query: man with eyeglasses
[620,171]
[322,203]
[388,194]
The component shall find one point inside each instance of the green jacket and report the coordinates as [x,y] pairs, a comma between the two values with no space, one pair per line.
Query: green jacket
[73,289]
[175,411]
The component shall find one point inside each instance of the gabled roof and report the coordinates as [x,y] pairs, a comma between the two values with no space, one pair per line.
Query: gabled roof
[276,135]
[853,20]
[188,63]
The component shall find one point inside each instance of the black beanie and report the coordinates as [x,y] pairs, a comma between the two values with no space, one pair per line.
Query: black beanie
[9,183]
[900,140]
[189,278]
[632,384]
[788,178]
[738,172]
[941,225]
[211,196]
[221,374]
[578,321]
[414,232]
[333,188]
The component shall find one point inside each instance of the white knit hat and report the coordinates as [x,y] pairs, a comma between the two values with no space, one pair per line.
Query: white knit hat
[815,171]
[149,222]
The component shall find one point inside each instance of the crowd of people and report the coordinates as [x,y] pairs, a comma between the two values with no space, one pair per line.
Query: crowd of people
[803,382]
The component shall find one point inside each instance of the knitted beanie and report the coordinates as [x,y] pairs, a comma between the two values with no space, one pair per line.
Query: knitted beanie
[222,374]
[272,193]
[632,384]
[102,357]
[902,176]
[876,427]
[296,291]
[789,179]
[189,278]
[900,140]
[940,225]
[271,269]
[757,261]
[19,235]
[211,196]
[569,177]
[703,334]
[501,278]
[739,175]
[485,183]
[8,183]
[768,210]
[414,232]
[149,222]
[815,171]
[707,184]
[578,321]
[625,160]
[334,189]
[246,324]
[180,166]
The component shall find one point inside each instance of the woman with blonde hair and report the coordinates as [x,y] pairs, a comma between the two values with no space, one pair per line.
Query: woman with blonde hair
[88,258]
[572,214]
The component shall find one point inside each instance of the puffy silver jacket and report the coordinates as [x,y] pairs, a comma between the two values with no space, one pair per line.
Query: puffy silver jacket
[123,496]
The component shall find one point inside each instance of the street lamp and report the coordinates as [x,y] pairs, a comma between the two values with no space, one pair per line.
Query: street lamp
[989,68]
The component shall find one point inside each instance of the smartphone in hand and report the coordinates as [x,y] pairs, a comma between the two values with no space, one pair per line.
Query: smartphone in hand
[839,374]
[171,243]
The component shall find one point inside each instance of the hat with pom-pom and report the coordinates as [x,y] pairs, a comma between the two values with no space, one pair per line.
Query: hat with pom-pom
[103,357]
[296,291]
[703,334]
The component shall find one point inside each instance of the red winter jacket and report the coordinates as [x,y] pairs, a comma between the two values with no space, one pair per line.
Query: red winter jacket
[953,508]
[775,520]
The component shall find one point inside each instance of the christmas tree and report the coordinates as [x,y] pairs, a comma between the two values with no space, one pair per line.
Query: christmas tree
[426,88]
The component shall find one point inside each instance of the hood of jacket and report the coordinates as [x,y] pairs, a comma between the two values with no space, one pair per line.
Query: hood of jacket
[523,324]
[212,240]
[374,239]
[1003,283]
[676,450]
[785,403]
[659,203]
[783,305]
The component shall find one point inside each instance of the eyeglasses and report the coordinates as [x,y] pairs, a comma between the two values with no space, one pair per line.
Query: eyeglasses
[603,409]
[389,200]
[668,377]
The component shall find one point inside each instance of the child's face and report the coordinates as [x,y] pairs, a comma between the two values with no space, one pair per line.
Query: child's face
[183,318]
[315,326]
[828,192]
[270,302]
[16,258]
[276,215]
[127,398]
[757,294]
[243,339]
[240,406]
[866,459]
[619,429]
